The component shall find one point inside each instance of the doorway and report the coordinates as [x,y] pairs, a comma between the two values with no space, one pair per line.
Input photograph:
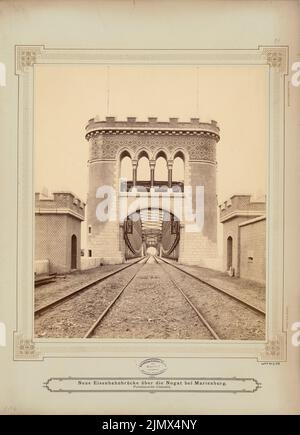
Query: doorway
[74,252]
[229,252]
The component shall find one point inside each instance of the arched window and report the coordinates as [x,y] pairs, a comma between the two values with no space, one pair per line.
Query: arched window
[161,169]
[178,168]
[143,169]
[126,174]
[126,166]
[178,172]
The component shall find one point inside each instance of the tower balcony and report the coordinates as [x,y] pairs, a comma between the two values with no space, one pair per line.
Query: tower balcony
[157,186]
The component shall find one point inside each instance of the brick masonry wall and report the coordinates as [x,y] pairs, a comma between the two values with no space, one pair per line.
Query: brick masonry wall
[50,235]
[253,244]
[197,249]
[203,174]
[231,229]
[53,235]
[55,224]
[73,227]
[104,240]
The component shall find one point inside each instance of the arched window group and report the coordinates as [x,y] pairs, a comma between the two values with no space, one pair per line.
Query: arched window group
[160,174]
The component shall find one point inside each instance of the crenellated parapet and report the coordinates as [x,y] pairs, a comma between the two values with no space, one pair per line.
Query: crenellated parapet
[107,138]
[172,127]
[60,203]
[241,205]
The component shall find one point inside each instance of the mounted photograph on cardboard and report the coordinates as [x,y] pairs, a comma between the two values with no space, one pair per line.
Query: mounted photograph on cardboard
[155,197]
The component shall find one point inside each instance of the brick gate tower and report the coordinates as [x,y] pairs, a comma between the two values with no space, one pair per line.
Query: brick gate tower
[193,142]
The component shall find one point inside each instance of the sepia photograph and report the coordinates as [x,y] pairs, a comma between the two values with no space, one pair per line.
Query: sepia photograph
[150,201]
[150,227]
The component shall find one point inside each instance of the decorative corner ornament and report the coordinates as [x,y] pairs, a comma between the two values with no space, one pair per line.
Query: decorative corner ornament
[26,57]
[274,349]
[25,349]
[276,57]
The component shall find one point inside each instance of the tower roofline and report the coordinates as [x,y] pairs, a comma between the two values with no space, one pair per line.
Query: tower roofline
[131,126]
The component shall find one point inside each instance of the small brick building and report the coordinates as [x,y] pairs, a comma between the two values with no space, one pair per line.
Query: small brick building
[244,237]
[253,249]
[58,220]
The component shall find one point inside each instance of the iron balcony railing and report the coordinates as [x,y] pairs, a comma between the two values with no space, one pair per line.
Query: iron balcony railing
[145,186]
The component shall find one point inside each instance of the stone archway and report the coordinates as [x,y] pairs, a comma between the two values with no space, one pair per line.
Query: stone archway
[152,227]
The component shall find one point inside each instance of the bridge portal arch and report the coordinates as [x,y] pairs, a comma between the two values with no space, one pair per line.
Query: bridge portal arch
[151,228]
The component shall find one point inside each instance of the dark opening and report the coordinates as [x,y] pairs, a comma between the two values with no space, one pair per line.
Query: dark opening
[152,228]
[229,252]
[74,252]
[90,252]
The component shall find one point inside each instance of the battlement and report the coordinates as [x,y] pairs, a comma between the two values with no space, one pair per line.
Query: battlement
[131,126]
[61,202]
[241,205]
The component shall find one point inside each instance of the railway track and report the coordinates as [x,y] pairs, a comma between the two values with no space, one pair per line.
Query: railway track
[204,318]
[43,309]
[165,264]
[246,304]
[199,314]
[44,280]
[95,325]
